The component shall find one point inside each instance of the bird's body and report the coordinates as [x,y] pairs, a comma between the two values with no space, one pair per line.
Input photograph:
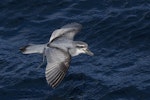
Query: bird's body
[58,52]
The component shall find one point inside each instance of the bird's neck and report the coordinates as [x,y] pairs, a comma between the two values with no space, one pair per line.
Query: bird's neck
[74,52]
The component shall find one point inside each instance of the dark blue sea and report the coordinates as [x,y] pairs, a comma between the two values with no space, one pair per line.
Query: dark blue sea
[117,31]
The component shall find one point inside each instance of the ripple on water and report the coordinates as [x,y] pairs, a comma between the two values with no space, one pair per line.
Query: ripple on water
[116,31]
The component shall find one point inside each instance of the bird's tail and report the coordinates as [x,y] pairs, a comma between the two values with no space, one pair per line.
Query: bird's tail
[33,48]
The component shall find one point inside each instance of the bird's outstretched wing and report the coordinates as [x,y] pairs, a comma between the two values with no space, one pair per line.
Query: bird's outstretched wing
[57,65]
[68,31]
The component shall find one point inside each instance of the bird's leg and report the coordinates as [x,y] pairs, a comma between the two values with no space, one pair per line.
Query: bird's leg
[43,59]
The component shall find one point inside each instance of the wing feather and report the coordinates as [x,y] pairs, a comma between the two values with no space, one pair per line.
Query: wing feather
[60,78]
[55,80]
[57,65]
[68,31]
[52,75]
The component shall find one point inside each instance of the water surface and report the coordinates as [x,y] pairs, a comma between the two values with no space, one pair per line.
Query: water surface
[117,31]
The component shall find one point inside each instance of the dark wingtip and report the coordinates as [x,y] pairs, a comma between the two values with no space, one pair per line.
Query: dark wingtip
[23,49]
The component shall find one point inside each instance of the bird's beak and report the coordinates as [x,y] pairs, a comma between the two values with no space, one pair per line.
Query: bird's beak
[87,51]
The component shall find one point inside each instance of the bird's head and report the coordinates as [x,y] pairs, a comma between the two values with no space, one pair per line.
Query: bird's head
[82,47]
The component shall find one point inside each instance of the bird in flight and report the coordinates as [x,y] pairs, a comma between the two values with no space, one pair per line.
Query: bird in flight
[58,52]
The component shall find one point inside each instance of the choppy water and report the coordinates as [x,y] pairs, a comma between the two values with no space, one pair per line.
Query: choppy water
[117,31]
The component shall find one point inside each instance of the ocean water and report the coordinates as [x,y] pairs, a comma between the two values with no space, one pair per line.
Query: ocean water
[117,31]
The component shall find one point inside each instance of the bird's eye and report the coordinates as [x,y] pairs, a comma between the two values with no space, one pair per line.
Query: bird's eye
[80,46]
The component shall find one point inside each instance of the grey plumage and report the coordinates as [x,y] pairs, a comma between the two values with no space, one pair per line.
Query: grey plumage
[57,65]
[58,52]
[67,31]
[32,48]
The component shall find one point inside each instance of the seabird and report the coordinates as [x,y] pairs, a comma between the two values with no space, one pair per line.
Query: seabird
[58,52]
